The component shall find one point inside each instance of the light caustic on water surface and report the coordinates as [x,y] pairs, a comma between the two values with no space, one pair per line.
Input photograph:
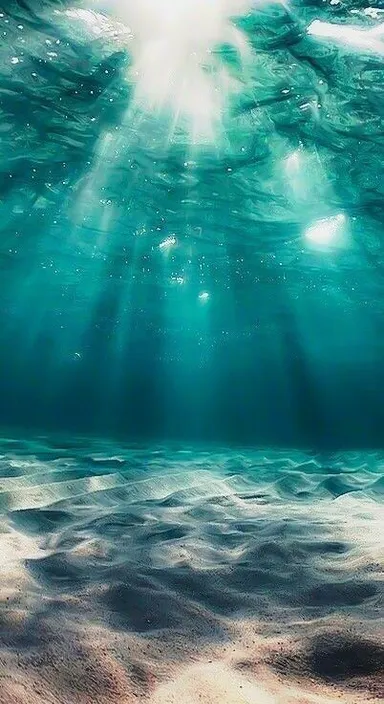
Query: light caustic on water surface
[176,63]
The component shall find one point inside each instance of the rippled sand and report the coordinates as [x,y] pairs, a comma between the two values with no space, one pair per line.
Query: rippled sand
[183,575]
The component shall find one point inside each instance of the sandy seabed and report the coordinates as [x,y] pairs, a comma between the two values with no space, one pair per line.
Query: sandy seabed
[181,575]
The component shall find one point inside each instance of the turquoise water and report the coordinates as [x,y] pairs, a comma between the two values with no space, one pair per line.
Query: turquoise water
[192,246]
[191,326]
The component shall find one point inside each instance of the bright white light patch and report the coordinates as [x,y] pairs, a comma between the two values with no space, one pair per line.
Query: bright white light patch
[168,242]
[178,280]
[326,231]
[371,39]
[204,296]
[293,161]
[174,60]
[95,22]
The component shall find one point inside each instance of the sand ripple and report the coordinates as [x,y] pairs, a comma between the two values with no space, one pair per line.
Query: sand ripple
[169,574]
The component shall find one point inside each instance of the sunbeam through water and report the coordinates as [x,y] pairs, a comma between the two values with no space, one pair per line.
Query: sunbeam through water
[191,357]
[177,64]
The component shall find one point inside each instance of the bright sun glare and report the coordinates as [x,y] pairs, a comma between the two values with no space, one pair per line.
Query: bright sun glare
[326,231]
[175,65]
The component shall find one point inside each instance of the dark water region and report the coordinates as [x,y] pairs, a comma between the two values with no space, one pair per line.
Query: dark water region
[227,290]
[191,352]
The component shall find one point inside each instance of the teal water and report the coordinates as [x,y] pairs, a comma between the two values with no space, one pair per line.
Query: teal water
[192,247]
[191,345]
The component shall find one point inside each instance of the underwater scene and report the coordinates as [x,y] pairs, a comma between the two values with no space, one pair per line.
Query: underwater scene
[191,351]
